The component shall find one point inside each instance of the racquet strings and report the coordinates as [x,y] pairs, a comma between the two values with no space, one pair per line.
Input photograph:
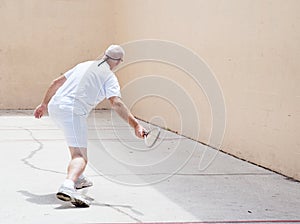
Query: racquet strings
[151,137]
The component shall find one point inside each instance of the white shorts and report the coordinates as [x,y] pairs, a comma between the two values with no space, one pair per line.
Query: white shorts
[74,126]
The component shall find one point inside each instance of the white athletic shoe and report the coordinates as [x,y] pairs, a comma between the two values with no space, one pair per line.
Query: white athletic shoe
[71,195]
[83,182]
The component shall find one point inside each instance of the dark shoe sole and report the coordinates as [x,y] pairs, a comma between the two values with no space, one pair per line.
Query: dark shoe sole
[79,203]
[75,201]
[63,196]
[78,188]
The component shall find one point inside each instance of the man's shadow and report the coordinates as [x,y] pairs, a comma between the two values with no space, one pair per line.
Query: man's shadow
[46,199]
[50,199]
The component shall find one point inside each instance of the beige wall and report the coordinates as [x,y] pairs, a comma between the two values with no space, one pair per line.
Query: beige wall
[40,39]
[252,47]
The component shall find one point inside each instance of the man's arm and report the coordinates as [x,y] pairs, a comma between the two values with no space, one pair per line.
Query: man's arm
[42,108]
[121,109]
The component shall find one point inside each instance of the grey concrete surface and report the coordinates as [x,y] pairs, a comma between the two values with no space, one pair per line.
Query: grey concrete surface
[179,180]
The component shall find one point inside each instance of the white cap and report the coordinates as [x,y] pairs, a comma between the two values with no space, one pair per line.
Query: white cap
[115,52]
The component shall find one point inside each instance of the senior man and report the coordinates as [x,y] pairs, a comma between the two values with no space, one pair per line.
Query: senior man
[69,100]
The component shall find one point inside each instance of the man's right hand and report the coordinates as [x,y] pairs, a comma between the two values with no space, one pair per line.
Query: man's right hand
[40,110]
[140,131]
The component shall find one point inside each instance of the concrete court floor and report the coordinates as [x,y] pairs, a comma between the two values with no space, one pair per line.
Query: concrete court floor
[132,184]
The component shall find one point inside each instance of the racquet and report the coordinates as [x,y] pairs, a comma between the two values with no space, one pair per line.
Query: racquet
[151,137]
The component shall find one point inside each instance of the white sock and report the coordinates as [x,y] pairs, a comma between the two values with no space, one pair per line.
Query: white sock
[68,183]
[81,177]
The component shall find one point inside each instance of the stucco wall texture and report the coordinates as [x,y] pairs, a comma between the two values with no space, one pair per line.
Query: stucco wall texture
[251,47]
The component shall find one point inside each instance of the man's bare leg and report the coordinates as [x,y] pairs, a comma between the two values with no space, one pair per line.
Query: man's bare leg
[76,167]
[77,164]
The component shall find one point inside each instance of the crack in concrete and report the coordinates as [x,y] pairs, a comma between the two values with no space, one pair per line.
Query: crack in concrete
[118,209]
[26,159]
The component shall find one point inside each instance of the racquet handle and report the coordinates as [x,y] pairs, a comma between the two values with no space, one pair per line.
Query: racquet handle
[145,133]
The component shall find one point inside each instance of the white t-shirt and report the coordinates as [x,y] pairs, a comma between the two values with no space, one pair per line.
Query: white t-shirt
[87,84]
